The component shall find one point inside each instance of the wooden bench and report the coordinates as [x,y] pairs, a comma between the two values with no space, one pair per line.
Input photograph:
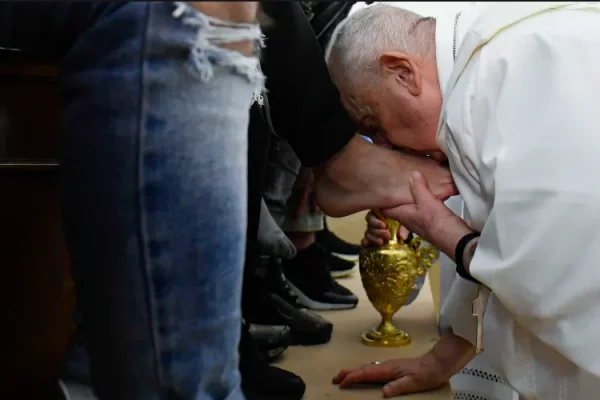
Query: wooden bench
[37,295]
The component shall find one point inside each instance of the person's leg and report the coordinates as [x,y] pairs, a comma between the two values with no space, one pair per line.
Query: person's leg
[259,380]
[302,219]
[155,136]
[277,303]
[282,172]
[308,272]
[290,200]
[271,238]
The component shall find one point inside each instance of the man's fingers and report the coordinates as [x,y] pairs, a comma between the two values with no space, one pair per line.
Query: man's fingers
[374,222]
[373,240]
[380,234]
[404,385]
[368,374]
[403,233]
[340,376]
[351,378]
[400,213]
[419,188]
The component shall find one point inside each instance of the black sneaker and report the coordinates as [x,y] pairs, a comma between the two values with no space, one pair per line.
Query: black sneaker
[271,340]
[340,268]
[261,381]
[336,245]
[278,305]
[309,276]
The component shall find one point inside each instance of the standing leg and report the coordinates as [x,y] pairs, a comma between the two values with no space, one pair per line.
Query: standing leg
[155,142]
[309,272]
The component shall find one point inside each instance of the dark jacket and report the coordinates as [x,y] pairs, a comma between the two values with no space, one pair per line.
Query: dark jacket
[304,104]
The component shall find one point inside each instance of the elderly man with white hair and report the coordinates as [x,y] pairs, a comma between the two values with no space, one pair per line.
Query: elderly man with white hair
[508,93]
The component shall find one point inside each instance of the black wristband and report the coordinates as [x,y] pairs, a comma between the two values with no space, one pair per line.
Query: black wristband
[458,256]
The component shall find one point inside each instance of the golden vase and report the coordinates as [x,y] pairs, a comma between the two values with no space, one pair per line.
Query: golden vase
[389,275]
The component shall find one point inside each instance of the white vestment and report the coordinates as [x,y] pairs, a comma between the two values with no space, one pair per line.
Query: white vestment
[519,128]
[477,381]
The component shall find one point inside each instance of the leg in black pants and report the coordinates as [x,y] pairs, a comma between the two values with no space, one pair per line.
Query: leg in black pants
[259,380]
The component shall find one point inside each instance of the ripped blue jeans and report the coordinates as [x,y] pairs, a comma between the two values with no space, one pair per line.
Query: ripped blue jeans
[154,158]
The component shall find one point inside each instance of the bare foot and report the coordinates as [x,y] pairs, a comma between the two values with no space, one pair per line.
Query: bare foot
[365,176]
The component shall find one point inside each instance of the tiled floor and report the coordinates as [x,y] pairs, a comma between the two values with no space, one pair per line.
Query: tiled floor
[317,364]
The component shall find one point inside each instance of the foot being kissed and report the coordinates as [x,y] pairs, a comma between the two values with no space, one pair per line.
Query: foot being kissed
[366,176]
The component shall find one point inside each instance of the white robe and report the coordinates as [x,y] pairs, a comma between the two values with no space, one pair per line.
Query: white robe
[519,128]
[477,381]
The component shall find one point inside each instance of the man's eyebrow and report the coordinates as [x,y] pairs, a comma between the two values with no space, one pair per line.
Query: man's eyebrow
[419,21]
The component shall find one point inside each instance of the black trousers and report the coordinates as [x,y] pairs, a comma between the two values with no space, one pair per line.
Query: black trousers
[259,138]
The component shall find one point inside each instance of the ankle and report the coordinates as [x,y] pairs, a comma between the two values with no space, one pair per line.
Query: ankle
[302,240]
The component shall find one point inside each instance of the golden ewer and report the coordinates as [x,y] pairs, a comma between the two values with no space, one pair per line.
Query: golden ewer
[389,275]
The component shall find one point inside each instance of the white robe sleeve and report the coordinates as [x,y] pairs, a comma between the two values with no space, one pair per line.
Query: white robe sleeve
[535,117]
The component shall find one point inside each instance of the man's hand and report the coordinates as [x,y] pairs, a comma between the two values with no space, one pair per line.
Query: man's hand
[429,217]
[377,233]
[402,376]
[364,176]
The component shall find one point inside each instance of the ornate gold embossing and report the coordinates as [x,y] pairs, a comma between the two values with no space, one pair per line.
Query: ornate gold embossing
[388,275]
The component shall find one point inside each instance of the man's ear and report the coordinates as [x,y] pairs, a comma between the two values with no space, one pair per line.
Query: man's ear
[404,68]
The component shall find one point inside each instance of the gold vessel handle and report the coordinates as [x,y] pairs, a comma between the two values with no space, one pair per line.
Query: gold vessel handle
[426,254]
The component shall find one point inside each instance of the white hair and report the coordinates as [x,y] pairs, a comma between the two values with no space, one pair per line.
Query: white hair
[358,41]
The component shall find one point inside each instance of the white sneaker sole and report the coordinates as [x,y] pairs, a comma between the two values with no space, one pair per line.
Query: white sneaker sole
[346,256]
[75,391]
[343,274]
[317,305]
